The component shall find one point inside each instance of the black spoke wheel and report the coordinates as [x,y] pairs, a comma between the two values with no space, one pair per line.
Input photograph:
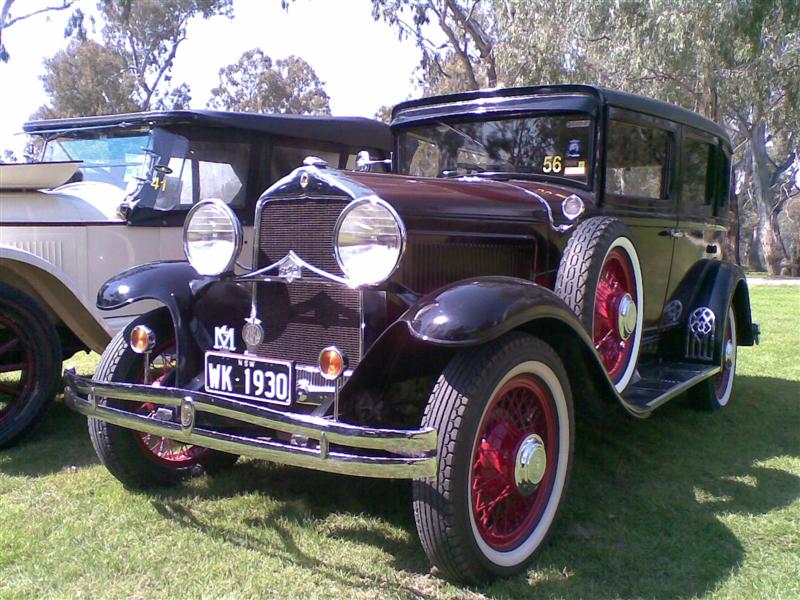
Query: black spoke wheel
[503,414]
[142,460]
[30,364]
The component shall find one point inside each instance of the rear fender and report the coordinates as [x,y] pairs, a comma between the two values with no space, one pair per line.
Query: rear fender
[716,285]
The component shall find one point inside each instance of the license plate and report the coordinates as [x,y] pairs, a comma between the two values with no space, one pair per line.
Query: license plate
[251,378]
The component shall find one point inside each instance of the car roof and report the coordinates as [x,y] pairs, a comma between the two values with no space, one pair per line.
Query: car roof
[650,106]
[358,132]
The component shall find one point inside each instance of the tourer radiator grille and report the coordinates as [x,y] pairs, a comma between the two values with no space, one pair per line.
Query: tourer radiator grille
[303,317]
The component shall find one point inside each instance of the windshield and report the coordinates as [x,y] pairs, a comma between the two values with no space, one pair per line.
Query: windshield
[553,146]
[119,158]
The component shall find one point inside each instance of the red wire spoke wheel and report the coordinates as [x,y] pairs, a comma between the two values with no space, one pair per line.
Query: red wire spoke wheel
[142,460]
[511,476]
[715,393]
[615,313]
[164,450]
[503,416]
[600,279]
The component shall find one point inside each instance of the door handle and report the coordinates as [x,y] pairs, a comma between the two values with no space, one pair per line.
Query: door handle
[674,233]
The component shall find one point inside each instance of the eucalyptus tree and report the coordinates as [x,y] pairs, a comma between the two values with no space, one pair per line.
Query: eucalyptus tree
[256,83]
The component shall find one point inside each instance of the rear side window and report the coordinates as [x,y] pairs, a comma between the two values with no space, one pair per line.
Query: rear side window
[636,160]
[697,163]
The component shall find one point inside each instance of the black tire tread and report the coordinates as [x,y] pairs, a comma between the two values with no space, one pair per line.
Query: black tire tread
[577,272]
[433,501]
[49,377]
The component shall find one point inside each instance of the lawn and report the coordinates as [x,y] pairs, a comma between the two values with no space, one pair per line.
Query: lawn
[681,505]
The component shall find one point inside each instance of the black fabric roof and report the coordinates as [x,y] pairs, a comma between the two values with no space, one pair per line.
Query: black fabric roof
[358,132]
[642,104]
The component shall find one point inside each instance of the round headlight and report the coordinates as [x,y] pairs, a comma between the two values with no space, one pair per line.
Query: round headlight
[212,237]
[369,241]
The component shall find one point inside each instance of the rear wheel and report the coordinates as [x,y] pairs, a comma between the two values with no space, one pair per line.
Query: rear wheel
[30,364]
[139,459]
[503,413]
[715,393]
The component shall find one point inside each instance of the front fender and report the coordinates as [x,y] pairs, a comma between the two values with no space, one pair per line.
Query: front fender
[173,284]
[476,311]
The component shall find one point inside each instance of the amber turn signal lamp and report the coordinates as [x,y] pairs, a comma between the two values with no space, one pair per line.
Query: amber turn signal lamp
[142,339]
[331,363]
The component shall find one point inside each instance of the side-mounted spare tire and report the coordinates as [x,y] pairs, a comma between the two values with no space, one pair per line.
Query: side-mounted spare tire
[601,280]
[30,364]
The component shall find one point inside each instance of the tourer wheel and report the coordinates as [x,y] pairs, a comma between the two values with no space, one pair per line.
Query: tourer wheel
[600,279]
[138,459]
[715,393]
[30,364]
[503,413]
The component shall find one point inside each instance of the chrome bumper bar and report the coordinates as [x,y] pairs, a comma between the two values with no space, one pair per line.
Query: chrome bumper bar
[403,453]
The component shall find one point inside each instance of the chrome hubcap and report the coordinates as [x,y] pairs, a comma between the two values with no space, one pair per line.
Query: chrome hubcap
[626,316]
[530,465]
[729,354]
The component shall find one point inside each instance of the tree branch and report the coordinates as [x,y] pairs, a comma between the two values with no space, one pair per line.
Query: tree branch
[5,25]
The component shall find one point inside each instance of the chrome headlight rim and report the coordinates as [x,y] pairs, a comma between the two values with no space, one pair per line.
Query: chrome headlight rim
[400,226]
[238,234]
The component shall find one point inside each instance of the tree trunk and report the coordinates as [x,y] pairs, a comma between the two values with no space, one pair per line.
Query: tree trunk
[769,236]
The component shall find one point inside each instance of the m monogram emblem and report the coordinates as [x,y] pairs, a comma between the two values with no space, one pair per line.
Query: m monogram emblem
[223,338]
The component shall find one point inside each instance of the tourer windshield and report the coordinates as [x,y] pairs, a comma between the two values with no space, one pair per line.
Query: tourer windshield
[119,158]
[550,145]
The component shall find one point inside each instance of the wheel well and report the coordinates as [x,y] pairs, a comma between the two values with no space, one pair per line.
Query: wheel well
[77,326]
[741,311]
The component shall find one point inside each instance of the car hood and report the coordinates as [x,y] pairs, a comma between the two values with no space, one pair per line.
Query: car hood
[422,201]
[85,203]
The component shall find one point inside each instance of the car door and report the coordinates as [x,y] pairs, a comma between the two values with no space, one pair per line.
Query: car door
[639,189]
[703,182]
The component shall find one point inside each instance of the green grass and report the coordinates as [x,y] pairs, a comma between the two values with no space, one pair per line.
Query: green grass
[681,505]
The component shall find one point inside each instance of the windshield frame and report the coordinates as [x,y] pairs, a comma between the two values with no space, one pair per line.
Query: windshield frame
[488,116]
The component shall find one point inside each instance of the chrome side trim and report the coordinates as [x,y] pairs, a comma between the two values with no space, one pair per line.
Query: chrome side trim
[414,450]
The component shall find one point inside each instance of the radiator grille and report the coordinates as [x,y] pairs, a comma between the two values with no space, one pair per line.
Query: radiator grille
[302,318]
[303,225]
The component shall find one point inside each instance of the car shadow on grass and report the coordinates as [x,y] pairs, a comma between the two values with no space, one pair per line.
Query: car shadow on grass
[642,517]
[59,443]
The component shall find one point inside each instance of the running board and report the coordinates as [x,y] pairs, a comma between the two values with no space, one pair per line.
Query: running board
[661,383]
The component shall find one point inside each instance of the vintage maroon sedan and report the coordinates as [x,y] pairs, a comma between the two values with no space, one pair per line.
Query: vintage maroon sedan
[535,252]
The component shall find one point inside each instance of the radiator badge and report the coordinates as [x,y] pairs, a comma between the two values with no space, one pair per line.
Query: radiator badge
[252,332]
[289,269]
[224,338]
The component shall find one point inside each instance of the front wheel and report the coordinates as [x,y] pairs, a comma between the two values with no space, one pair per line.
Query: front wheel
[141,460]
[503,413]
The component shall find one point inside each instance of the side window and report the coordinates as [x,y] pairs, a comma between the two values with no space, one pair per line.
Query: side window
[696,166]
[636,160]
[287,158]
[208,170]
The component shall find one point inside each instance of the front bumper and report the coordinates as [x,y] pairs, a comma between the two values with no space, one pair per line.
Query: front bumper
[395,453]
